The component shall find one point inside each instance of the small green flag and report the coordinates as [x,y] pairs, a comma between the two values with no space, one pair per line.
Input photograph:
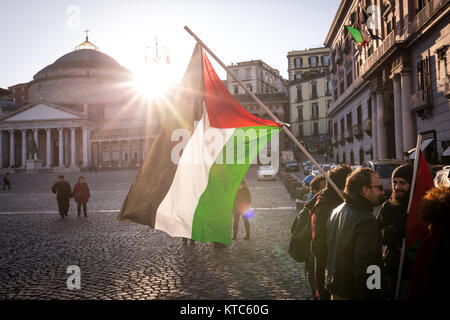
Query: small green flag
[356,34]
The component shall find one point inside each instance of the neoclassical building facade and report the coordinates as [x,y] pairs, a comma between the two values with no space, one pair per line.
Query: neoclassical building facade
[394,88]
[83,111]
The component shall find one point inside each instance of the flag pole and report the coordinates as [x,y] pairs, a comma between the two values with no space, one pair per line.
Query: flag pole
[411,195]
[264,107]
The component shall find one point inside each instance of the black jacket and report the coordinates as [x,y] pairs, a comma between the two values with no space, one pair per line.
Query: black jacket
[242,196]
[353,245]
[392,223]
[63,191]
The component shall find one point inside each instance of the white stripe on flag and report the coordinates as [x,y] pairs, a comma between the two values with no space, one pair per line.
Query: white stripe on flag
[175,214]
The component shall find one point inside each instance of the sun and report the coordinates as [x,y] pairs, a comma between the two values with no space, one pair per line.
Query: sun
[152,80]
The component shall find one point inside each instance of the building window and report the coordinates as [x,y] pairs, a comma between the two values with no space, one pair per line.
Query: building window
[298,62]
[316,128]
[236,72]
[236,90]
[315,111]
[300,113]
[369,108]
[300,130]
[423,74]
[248,72]
[325,60]
[249,87]
[299,93]
[329,87]
[314,90]
[330,127]
[335,132]
[313,61]
[344,158]
[298,76]
[349,120]
[328,104]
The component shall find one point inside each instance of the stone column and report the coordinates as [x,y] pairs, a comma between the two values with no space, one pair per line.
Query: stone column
[373,100]
[36,140]
[73,146]
[1,148]
[398,118]
[49,147]
[12,150]
[381,127]
[85,147]
[110,154]
[139,152]
[409,131]
[120,153]
[89,146]
[61,148]
[24,148]
[129,152]
[100,154]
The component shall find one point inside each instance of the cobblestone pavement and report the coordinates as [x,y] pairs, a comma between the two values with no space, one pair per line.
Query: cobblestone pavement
[130,261]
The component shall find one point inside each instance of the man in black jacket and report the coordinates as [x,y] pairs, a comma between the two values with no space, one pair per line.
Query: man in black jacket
[392,223]
[353,242]
[327,200]
[63,195]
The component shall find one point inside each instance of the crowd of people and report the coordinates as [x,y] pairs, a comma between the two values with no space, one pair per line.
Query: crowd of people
[64,193]
[348,242]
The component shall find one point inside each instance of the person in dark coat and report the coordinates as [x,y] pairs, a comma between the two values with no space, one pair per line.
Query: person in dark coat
[241,208]
[6,182]
[430,279]
[81,194]
[392,223]
[353,239]
[327,200]
[63,195]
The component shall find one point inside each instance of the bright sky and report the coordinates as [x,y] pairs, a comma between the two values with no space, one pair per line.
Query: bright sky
[36,33]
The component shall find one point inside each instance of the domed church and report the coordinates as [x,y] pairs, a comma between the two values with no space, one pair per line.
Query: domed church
[83,111]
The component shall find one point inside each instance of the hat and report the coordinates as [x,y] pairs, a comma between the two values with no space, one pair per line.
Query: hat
[404,171]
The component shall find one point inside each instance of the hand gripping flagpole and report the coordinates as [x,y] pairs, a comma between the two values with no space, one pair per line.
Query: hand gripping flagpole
[411,195]
[263,106]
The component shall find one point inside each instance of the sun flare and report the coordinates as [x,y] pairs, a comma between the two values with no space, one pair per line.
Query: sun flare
[152,81]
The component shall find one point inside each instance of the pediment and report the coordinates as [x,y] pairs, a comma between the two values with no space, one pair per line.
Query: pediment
[41,111]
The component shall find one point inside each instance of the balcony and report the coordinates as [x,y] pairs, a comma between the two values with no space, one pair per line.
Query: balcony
[348,135]
[357,131]
[334,141]
[421,100]
[424,15]
[368,126]
[378,53]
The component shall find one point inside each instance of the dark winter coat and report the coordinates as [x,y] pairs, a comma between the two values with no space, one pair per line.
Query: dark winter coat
[62,190]
[392,223]
[326,202]
[430,277]
[353,244]
[81,192]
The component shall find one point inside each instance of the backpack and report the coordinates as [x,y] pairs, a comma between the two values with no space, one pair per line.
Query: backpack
[301,234]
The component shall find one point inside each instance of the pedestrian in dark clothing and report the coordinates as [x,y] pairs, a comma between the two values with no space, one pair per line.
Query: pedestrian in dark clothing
[353,240]
[392,223]
[430,275]
[81,194]
[241,209]
[6,182]
[63,195]
[327,200]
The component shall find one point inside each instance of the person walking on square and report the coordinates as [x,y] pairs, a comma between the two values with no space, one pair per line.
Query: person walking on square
[6,182]
[240,209]
[81,194]
[63,195]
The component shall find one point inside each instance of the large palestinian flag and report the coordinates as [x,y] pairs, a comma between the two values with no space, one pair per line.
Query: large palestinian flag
[206,143]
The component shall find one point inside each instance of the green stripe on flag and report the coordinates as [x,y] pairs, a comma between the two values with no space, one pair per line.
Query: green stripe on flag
[213,214]
[356,34]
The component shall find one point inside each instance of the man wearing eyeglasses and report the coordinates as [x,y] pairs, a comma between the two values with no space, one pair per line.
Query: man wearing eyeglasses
[392,222]
[353,239]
